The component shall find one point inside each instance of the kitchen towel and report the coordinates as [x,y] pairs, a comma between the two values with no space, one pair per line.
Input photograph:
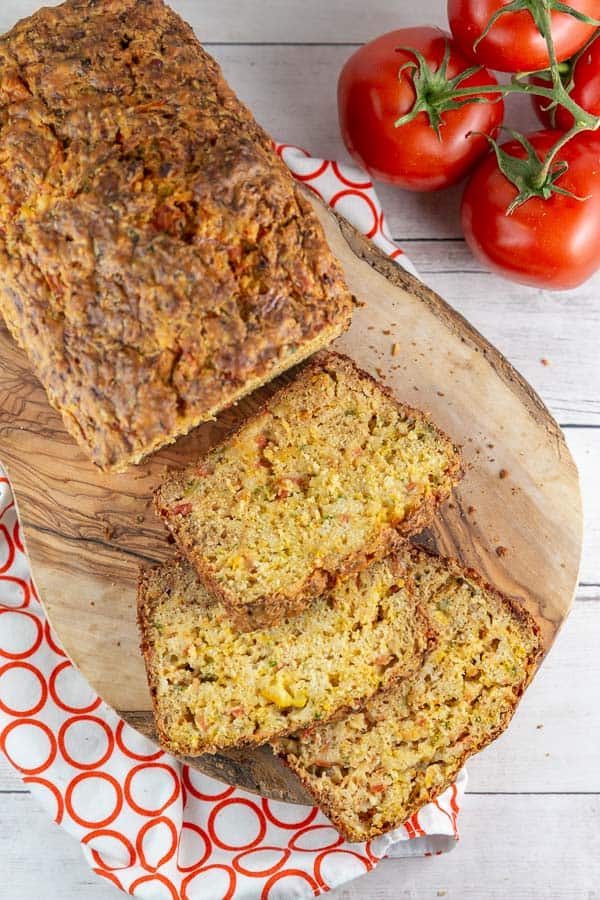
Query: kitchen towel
[148,824]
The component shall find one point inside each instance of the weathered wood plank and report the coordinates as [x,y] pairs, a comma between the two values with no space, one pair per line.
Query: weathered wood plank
[584,444]
[277,20]
[501,855]
[40,860]
[512,848]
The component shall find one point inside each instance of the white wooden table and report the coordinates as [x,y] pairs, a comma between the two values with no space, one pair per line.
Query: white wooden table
[531,822]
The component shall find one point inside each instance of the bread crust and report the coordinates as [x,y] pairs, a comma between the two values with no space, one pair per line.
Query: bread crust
[157,260]
[143,620]
[276,606]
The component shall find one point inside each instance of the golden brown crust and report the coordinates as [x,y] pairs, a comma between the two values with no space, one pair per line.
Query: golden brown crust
[276,606]
[157,260]
[144,610]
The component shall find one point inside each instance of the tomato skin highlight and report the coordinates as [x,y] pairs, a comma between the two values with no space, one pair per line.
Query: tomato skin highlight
[585,90]
[371,98]
[552,243]
[513,43]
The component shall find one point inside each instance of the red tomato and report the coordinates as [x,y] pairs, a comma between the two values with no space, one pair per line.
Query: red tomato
[371,97]
[514,43]
[552,243]
[585,90]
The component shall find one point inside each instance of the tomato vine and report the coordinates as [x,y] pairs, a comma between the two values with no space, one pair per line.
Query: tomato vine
[532,176]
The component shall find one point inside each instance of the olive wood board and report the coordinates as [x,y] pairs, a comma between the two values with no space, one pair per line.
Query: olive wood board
[516,516]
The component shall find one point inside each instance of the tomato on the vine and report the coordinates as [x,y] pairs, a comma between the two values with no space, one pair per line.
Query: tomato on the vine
[514,43]
[584,89]
[376,88]
[551,243]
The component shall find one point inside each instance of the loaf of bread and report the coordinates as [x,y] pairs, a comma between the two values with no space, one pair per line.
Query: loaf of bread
[213,687]
[332,474]
[372,770]
[157,261]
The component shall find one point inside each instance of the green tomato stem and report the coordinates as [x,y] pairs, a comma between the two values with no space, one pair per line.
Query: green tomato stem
[546,29]
[551,155]
[436,94]
[583,122]
[587,120]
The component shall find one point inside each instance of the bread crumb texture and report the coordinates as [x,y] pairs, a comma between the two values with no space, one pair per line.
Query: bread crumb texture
[373,769]
[214,687]
[331,475]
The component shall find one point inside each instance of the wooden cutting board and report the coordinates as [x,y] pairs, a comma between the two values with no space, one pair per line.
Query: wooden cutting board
[516,516]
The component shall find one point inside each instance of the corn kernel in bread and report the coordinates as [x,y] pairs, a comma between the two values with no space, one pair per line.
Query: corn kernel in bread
[373,769]
[214,687]
[331,475]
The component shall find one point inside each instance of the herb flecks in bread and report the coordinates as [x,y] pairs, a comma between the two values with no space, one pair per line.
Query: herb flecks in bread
[332,474]
[213,687]
[370,771]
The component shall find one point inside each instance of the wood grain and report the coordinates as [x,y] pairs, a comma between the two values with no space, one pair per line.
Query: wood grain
[87,532]
[263,21]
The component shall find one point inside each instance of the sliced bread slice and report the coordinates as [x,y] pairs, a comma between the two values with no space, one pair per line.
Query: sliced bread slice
[332,474]
[214,687]
[373,769]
